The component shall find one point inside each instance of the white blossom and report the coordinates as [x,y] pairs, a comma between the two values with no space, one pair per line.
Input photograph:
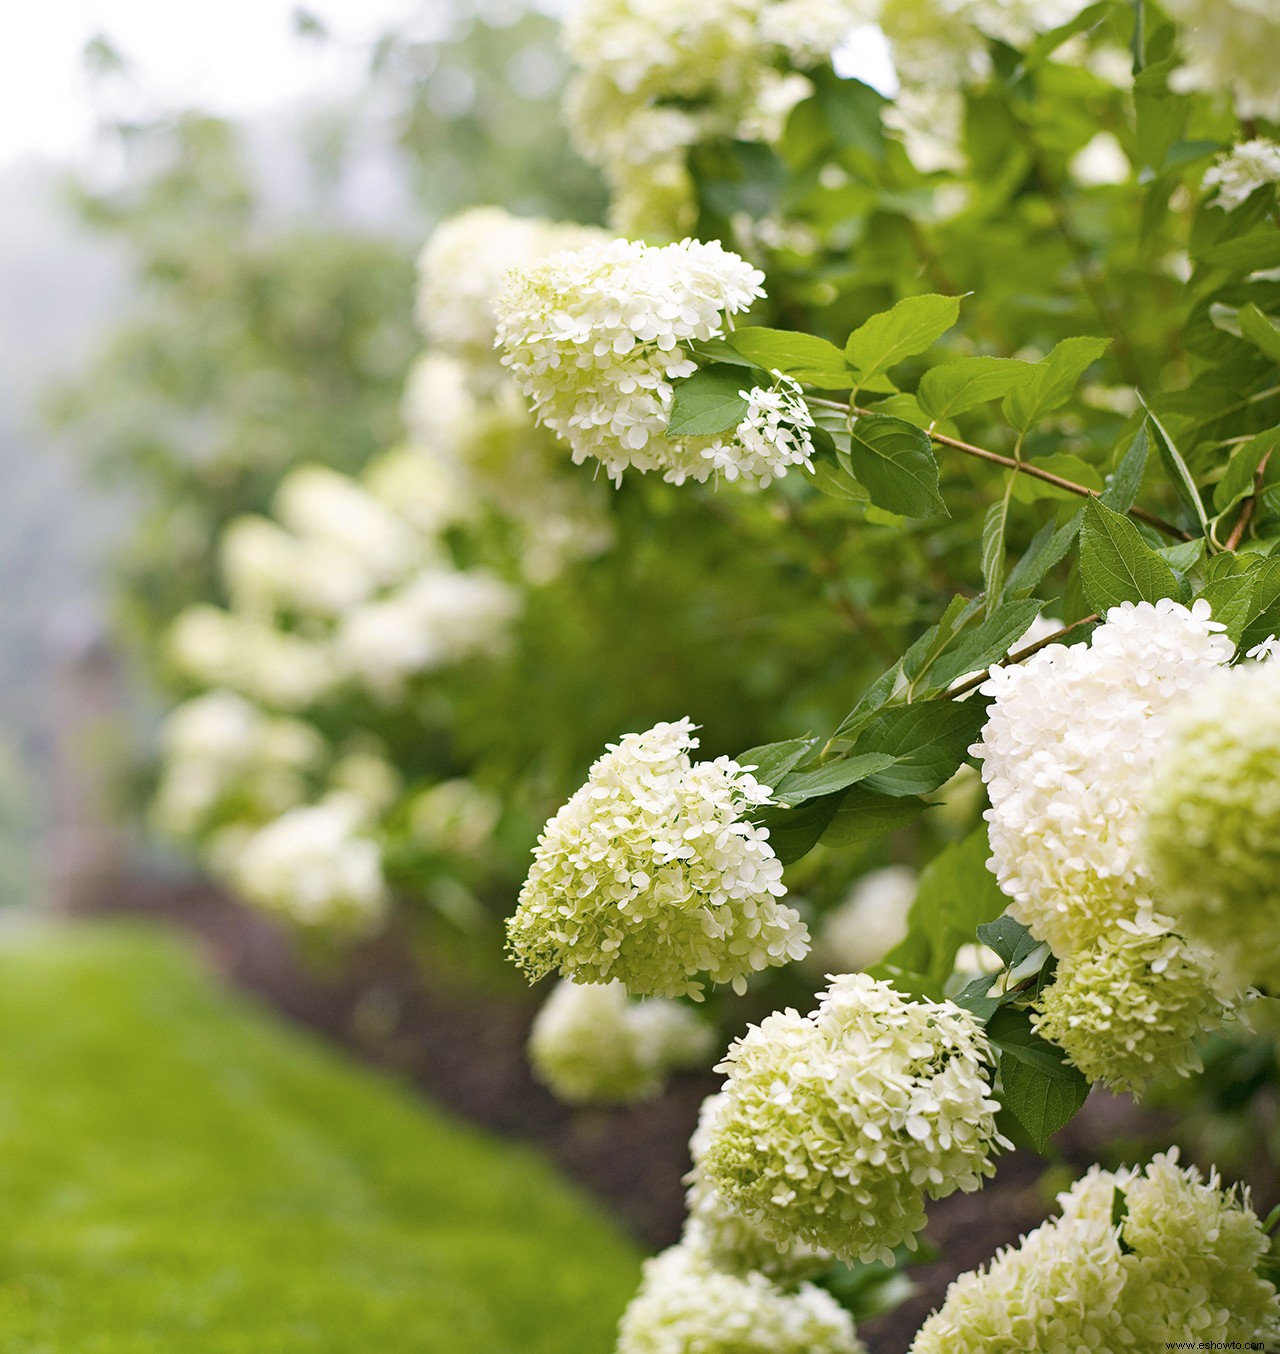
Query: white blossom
[652,874]
[1244,169]
[594,337]
[870,921]
[684,1306]
[1230,45]
[836,1125]
[592,1042]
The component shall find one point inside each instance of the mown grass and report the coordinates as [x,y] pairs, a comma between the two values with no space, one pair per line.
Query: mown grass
[180,1174]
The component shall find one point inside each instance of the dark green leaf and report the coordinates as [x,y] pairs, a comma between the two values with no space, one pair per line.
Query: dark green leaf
[1041,1089]
[959,386]
[1264,604]
[894,460]
[1125,481]
[1176,467]
[1117,565]
[912,326]
[1009,939]
[803,357]
[1237,481]
[864,814]
[1051,381]
[793,833]
[708,402]
[835,775]
[928,741]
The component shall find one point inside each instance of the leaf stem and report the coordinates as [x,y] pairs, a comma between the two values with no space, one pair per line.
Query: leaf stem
[1250,506]
[1023,467]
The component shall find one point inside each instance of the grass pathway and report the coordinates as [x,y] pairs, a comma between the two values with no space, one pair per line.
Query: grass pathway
[180,1174]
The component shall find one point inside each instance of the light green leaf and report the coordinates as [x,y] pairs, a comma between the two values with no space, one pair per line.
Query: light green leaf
[1125,481]
[772,761]
[894,460]
[1260,330]
[804,357]
[993,550]
[1176,466]
[1029,489]
[1052,381]
[989,642]
[708,402]
[912,326]
[959,386]
[1048,547]
[1237,481]
[1116,564]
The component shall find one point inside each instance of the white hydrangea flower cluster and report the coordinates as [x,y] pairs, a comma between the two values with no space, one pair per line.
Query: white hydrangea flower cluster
[460,271]
[657,76]
[652,874]
[594,339]
[685,1305]
[1230,45]
[775,433]
[218,750]
[592,1042]
[1244,169]
[1067,753]
[838,1124]
[441,617]
[312,866]
[1213,819]
[1179,1265]
[730,1240]
[870,921]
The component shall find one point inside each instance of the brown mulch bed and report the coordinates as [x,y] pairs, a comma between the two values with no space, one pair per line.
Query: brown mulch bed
[466,1052]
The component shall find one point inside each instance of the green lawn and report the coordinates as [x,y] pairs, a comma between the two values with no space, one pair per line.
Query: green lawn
[179,1174]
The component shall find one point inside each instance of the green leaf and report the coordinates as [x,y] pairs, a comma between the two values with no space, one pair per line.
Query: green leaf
[717,350]
[1052,381]
[1264,606]
[836,775]
[1041,1089]
[1237,480]
[1176,467]
[894,460]
[1125,481]
[832,479]
[1260,330]
[912,326]
[772,761]
[991,640]
[928,741]
[804,357]
[793,833]
[1029,489]
[957,387]
[993,548]
[864,814]
[1012,941]
[1117,565]
[955,896]
[1048,547]
[708,402]
[1231,595]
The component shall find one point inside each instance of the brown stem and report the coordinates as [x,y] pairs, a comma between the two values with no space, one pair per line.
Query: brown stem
[1250,506]
[1022,467]
[1020,656]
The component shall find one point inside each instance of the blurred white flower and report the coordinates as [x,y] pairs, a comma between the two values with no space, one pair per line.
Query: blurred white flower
[870,921]
[1245,168]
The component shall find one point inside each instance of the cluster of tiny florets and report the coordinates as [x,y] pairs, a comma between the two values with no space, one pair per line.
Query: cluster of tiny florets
[461,269]
[1067,753]
[313,866]
[685,1305]
[655,77]
[592,1042]
[1229,45]
[652,874]
[1129,1008]
[731,1240]
[837,1125]
[775,433]
[594,339]
[1137,1260]
[1244,169]
[1213,819]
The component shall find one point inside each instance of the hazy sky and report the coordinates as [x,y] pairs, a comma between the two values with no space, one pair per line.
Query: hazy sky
[230,55]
